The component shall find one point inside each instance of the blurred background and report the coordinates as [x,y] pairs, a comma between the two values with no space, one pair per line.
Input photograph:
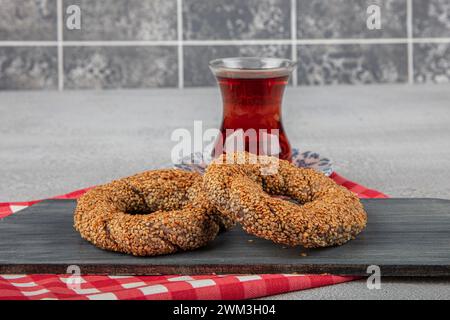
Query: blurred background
[168,43]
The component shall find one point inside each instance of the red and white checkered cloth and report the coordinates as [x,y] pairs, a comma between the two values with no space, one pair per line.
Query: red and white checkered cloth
[180,287]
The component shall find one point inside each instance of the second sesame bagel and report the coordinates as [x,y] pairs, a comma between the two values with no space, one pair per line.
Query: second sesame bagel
[242,186]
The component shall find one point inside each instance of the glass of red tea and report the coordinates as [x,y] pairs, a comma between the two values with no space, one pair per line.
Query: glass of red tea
[252,92]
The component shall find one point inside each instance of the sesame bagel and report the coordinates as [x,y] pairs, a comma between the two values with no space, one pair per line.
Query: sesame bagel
[242,186]
[151,213]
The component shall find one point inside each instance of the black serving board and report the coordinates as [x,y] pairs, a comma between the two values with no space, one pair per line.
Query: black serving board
[404,237]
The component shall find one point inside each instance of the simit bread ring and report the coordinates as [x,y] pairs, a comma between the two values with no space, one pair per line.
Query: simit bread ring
[327,214]
[151,213]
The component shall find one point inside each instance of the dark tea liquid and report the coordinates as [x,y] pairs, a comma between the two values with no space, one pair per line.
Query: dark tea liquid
[253,104]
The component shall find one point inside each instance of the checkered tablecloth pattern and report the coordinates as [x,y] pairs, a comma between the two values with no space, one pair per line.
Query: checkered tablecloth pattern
[173,287]
[162,287]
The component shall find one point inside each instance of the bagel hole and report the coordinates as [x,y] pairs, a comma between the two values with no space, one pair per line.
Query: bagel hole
[161,207]
[286,198]
[138,212]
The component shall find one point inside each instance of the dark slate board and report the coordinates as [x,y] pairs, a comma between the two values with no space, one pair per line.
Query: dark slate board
[405,237]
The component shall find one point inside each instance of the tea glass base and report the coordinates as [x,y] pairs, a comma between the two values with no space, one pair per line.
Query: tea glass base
[197,162]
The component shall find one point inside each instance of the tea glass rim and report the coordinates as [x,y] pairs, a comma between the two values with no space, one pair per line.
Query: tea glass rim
[239,63]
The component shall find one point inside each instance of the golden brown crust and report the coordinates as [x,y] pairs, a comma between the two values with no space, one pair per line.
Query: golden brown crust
[151,213]
[328,214]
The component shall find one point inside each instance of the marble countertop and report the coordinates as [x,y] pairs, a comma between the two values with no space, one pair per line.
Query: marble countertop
[392,138]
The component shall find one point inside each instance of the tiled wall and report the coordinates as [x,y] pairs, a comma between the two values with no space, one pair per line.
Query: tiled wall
[168,43]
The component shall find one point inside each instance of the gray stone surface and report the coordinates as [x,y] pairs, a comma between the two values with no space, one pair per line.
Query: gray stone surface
[391,289]
[120,67]
[236,19]
[352,64]
[432,62]
[24,68]
[196,58]
[431,18]
[129,66]
[28,20]
[319,19]
[392,138]
[125,20]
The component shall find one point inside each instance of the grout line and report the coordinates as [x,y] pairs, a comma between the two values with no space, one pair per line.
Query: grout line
[410,48]
[429,40]
[180,44]
[220,42]
[294,38]
[120,43]
[28,43]
[350,41]
[60,45]
[292,41]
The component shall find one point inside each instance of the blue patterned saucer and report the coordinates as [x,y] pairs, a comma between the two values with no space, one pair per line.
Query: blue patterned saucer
[197,162]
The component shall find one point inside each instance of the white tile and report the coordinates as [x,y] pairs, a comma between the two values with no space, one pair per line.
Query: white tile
[86,291]
[248,278]
[202,283]
[24,285]
[72,280]
[120,277]
[158,288]
[103,296]
[133,285]
[34,293]
[12,276]
[182,278]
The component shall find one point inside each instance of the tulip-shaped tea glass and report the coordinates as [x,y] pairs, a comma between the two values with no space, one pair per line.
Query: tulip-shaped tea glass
[252,91]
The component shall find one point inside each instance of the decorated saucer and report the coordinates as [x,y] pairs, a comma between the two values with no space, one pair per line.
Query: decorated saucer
[197,162]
